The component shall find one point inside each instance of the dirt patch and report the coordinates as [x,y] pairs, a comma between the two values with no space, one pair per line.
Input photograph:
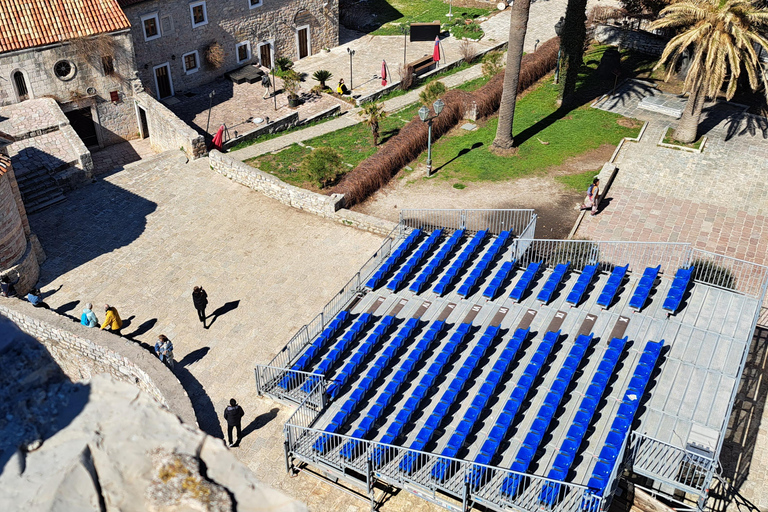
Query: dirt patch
[627,122]
[555,203]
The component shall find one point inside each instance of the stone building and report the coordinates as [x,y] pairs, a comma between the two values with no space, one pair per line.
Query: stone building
[78,52]
[20,251]
[181,44]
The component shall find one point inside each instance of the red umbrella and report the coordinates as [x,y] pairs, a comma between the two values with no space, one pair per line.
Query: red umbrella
[436,51]
[218,139]
[383,72]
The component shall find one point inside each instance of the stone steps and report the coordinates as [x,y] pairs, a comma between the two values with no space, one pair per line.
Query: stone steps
[39,190]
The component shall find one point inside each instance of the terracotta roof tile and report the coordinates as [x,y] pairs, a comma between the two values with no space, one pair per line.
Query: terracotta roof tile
[5,164]
[30,23]
[126,3]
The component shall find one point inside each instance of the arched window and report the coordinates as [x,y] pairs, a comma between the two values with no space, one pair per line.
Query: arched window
[21,86]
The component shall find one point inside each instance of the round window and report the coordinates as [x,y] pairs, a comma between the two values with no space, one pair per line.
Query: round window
[64,70]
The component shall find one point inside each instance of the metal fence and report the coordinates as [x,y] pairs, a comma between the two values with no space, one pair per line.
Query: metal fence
[284,384]
[740,276]
[495,221]
[670,464]
[459,480]
[311,407]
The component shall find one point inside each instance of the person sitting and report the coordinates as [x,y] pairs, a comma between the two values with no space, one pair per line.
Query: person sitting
[35,297]
[7,287]
[342,88]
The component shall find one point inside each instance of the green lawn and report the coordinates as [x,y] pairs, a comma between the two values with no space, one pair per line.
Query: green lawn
[578,182]
[394,13]
[353,143]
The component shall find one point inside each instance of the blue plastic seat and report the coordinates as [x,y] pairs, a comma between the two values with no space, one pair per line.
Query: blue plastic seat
[612,286]
[525,281]
[545,295]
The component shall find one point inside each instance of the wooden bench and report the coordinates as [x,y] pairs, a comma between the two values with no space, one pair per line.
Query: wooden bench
[422,65]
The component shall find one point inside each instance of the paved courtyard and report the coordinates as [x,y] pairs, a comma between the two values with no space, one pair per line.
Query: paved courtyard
[142,237]
[718,201]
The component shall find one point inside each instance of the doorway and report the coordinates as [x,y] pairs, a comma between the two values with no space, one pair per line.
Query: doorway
[81,121]
[265,55]
[302,37]
[163,83]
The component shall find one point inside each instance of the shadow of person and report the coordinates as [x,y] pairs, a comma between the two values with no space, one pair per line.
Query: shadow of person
[141,329]
[259,421]
[127,322]
[47,294]
[194,356]
[69,306]
[222,310]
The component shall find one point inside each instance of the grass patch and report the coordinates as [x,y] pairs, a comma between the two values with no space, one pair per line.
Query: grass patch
[578,182]
[395,13]
[668,139]
[354,143]
[394,93]
[473,85]
[459,186]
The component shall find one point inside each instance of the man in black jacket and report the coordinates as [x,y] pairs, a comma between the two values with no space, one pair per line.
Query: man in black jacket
[233,414]
[200,300]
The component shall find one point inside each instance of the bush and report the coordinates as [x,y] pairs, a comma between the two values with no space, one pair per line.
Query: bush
[322,76]
[710,272]
[291,81]
[492,63]
[283,65]
[431,92]
[323,165]
[406,76]
[467,51]
[214,55]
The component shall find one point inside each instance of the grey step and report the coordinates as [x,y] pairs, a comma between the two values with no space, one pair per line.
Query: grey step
[45,204]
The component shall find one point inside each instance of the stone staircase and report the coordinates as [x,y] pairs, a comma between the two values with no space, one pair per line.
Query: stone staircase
[39,190]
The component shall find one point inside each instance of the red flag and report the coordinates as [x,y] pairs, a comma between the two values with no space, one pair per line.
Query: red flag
[436,52]
[383,72]
[218,139]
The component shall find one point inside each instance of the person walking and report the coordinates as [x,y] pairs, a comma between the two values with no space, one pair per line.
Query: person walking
[88,318]
[200,300]
[593,196]
[267,84]
[233,414]
[112,321]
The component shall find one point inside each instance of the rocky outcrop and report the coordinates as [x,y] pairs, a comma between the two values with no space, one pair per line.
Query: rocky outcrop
[107,446]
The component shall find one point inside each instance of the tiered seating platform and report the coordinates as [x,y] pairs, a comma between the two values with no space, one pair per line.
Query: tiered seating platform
[545,371]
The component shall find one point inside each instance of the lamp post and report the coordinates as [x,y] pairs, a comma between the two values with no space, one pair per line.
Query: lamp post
[450,10]
[210,106]
[404,30]
[351,54]
[424,116]
[559,32]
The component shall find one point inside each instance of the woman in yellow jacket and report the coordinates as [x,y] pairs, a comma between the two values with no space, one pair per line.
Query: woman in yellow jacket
[112,320]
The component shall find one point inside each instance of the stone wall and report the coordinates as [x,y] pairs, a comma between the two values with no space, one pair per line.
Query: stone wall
[329,207]
[166,131]
[277,125]
[83,352]
[638,40]
[228,24]
[13,241]
[89,87]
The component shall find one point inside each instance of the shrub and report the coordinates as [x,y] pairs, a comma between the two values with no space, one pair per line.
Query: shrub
[291,80]
[214,55]
[406,76]
[710,272]
[492,63]
[283,64]
[375,171]
[322,76]
[323,165]
[467,51]
[431,92]
[373,113]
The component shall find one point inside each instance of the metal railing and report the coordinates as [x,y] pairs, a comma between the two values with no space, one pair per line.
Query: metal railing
[673,465]
[734,274]
[607,255]
[464,481]
[283,384]
[311,407]
[495,221]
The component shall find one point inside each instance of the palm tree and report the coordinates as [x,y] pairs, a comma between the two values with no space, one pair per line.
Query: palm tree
[518,24]
[720,38]
[373,113]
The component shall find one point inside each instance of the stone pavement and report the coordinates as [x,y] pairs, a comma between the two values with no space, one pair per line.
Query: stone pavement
[718,201]
[142,237]
[119,155]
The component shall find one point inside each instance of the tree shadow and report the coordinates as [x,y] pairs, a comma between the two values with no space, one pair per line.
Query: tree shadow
[461,153]
[223,310]
[715,114]
[259,421]
[738,126]
[194,356]
[386,135]
[737,454]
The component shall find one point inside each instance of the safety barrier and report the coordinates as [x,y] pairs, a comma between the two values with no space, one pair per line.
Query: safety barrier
[495,221]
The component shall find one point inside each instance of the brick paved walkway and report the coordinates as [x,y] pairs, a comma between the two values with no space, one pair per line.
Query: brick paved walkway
[141,238]
[718,201]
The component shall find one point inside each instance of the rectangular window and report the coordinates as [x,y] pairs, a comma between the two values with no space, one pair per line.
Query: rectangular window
[190,62]
[108,65]
[198,13]
[254,3]
[151,26]
[243,51]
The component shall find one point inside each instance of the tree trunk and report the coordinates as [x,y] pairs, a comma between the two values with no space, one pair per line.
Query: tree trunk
[518,24]
[688,126]
[572,48]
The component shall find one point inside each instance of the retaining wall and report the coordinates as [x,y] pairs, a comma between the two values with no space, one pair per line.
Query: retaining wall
[83,352]
[639,40]
[166,131]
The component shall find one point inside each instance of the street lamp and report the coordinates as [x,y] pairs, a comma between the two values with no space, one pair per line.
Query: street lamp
[450,10]
[404,30]
[351,54]
[424,116]
[559,32]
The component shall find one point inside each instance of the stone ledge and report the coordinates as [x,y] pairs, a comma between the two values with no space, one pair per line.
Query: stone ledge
[60,335]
